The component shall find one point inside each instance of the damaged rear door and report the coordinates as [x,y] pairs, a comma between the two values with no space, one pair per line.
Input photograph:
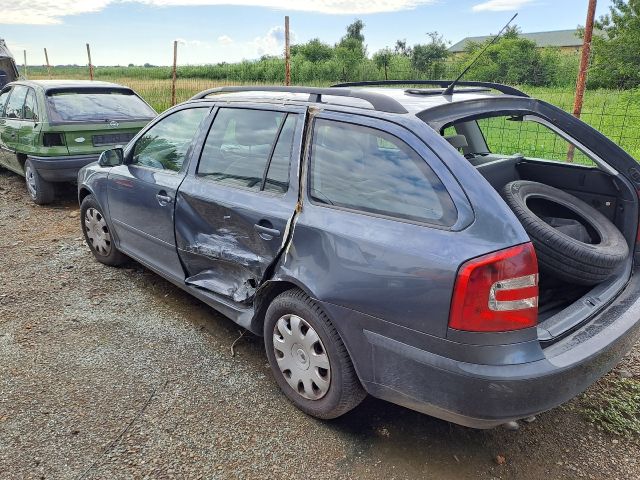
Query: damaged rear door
[233,208]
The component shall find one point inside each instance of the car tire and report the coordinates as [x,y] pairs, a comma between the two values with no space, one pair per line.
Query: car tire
[560,255]
[300,342]
[97,234]
[40,191]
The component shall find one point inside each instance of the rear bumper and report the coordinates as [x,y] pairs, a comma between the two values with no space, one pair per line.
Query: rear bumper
[484,396]
[62,169]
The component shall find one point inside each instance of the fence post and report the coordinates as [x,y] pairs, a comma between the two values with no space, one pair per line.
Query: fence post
[90,64]
[25,64]
[584,67]
[173,73]
[287,53]
[46,57]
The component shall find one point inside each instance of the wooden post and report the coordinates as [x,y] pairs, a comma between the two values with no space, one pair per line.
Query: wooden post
[90,64]
[46,57]
[173,73]
[584,67]
[287,53]
[24,72]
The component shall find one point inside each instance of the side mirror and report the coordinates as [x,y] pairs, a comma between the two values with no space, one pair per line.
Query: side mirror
[111,158]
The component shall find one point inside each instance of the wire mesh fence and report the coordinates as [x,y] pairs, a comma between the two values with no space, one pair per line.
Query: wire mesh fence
[615,113]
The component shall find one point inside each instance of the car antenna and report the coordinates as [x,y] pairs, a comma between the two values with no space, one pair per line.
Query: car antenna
[449,90]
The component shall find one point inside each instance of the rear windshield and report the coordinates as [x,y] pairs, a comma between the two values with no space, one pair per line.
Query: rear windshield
[101,106]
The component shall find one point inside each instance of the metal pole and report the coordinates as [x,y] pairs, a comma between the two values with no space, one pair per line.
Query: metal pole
[584,67]
[25,64]
[173,74]
[90,64]
[46,57]
[287,53]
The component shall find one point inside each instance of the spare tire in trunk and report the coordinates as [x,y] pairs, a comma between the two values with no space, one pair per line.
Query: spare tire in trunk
[573,241]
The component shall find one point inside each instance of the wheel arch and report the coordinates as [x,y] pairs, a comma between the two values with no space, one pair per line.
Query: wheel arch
[272,288]
[83,192]
[266,294]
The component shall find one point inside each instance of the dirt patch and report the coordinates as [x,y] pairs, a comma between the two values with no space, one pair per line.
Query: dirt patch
[115,373]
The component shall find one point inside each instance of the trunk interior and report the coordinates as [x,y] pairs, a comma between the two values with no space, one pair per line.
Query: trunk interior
[563,307]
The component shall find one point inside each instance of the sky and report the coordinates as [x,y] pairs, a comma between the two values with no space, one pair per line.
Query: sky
[121,32]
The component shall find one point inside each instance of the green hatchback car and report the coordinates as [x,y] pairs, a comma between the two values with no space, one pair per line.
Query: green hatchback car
[50,129]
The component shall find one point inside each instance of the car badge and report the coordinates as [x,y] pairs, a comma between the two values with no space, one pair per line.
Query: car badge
[80,139]
[114,124]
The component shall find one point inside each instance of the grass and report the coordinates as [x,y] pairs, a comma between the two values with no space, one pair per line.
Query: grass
[614,113]
[615,407]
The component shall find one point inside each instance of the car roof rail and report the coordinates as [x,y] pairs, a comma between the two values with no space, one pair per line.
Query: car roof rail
[506,89]
[378,101]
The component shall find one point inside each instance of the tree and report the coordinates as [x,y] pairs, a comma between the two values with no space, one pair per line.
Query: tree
[401,48]
[432,54]
[351,51]
[382,59]
[616,53]
[314,50]
[513,60]
[354,30]
[512,31]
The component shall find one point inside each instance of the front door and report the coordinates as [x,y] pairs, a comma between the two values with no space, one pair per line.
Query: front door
[11,124]
[234,207]
[4,149]
[141,193]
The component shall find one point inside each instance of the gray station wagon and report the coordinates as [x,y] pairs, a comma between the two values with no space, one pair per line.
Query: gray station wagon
[467,254]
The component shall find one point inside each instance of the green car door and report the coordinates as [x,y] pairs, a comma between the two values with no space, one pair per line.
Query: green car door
[29,129]
[4,149]
[13,122]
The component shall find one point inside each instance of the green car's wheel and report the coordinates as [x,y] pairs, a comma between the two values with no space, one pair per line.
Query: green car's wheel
[40,191]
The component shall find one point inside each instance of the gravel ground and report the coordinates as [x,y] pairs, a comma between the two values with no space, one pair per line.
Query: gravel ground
[115,373]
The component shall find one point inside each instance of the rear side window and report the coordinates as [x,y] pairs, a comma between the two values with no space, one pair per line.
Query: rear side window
[249,149]
[368,170]
[15,105]
[31,106]
[79,106]
[4,96]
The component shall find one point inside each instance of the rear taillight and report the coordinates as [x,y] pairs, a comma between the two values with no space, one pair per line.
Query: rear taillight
[497,292]
[50,139]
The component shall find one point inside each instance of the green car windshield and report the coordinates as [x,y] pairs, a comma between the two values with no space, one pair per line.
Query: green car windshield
[82,106]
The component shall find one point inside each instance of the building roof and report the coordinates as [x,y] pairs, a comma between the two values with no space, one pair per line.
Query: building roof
[557,38]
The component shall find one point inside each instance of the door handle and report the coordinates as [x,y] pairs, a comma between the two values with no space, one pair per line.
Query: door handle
[266,231]
[164,199]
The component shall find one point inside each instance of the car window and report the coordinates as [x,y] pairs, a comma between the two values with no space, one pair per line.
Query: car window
[366,169]
[16,102]
[83,105]
[31,106]
[507,135]
[4,96]
[239,145]
[164,146]
[277,179]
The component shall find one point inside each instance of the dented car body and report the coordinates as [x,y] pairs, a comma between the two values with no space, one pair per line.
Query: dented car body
[381,264]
